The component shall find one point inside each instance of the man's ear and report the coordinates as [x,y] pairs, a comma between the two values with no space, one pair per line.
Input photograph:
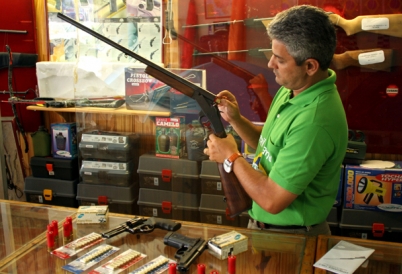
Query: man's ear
[312,66]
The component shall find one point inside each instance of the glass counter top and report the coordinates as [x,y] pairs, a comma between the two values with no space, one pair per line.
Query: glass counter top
[267,252]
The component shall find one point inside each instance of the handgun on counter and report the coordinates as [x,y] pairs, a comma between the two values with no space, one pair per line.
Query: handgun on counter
[142,225]
[188,249]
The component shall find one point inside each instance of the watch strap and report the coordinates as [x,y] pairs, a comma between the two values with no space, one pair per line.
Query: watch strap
[234,157]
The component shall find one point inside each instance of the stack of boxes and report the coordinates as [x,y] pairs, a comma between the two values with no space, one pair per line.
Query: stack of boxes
[109,161]
[169,188]
[54,177]
[372,202]
[169,183]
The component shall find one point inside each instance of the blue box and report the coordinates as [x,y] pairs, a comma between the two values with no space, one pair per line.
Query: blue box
[338,199]
[64,140]
[374,189]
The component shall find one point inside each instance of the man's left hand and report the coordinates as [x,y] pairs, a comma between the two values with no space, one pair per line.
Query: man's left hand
[220,148]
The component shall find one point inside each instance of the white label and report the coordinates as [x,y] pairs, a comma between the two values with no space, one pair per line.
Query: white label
[375,23]
[51,173]
[218,186]
[373,57]
[219,219]
[104,165]
[155,212]
[156,181]
[108,139]
[40,199]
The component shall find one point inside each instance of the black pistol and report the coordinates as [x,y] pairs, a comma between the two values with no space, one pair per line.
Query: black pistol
[188,249]
[142,225]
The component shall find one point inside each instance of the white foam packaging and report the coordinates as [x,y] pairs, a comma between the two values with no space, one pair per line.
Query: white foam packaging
[88,78]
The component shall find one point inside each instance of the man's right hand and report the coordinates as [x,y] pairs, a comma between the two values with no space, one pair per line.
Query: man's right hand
[228,106]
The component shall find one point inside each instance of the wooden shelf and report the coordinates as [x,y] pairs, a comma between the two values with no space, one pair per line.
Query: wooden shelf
[119,111]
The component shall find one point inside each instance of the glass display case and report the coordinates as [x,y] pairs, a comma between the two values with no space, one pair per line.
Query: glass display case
[266,252]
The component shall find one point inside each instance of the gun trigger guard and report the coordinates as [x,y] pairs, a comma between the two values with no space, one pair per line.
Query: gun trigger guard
[146,228]
[180,252]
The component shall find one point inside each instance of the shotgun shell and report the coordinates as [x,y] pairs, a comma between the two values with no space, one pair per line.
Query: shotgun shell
[232,264]
[67,233]
[200,268]
[50,240]
[172,268]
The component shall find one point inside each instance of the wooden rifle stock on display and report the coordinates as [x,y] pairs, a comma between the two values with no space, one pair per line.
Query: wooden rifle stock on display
[236,198]
[386,24]
[376,59]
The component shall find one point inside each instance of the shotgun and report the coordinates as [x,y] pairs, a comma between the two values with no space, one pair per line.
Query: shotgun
[386,24]
[236,198]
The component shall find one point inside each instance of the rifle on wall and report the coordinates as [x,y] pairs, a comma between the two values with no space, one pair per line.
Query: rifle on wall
[236,198]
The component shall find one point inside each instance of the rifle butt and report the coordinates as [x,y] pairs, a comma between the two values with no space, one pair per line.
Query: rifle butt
[237,199]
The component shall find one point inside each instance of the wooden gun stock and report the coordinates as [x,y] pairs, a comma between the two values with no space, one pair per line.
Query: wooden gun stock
[375,59]
[236,197]
[387,24]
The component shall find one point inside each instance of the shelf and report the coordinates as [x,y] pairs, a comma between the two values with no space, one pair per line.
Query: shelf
[119,111]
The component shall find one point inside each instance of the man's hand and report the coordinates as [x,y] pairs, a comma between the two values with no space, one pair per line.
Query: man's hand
[220,148]
[228,106]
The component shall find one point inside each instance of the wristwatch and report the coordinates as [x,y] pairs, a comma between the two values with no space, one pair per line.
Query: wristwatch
[228,163]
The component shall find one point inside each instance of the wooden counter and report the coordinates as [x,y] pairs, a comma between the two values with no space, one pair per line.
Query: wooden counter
[386,259]
[267,252]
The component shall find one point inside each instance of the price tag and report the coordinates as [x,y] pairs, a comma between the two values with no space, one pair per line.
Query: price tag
[375,23]
[373,57]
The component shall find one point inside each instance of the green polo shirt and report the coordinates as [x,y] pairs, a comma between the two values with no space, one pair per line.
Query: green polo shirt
[301,148]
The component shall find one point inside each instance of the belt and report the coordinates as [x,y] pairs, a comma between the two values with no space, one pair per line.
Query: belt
[269,226]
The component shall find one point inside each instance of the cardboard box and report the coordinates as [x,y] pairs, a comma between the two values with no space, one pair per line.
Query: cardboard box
[229,243]
[143,92]
[92,214]
[373,189]
[64,140]
[339,195]
[169,137]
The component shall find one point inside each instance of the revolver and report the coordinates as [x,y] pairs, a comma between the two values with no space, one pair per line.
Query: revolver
[142,225]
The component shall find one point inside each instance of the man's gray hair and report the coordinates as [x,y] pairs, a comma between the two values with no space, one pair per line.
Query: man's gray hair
[307,32]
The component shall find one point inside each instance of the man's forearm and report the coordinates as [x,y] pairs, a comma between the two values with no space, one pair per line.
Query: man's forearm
[262,190]
[249,132]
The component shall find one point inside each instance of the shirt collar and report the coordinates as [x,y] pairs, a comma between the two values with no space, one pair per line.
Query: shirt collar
[307,96]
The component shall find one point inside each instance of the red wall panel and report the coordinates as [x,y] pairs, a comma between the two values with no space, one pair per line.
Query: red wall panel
[19,15]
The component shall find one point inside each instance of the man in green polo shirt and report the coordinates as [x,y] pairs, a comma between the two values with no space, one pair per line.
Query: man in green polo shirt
[294,178]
